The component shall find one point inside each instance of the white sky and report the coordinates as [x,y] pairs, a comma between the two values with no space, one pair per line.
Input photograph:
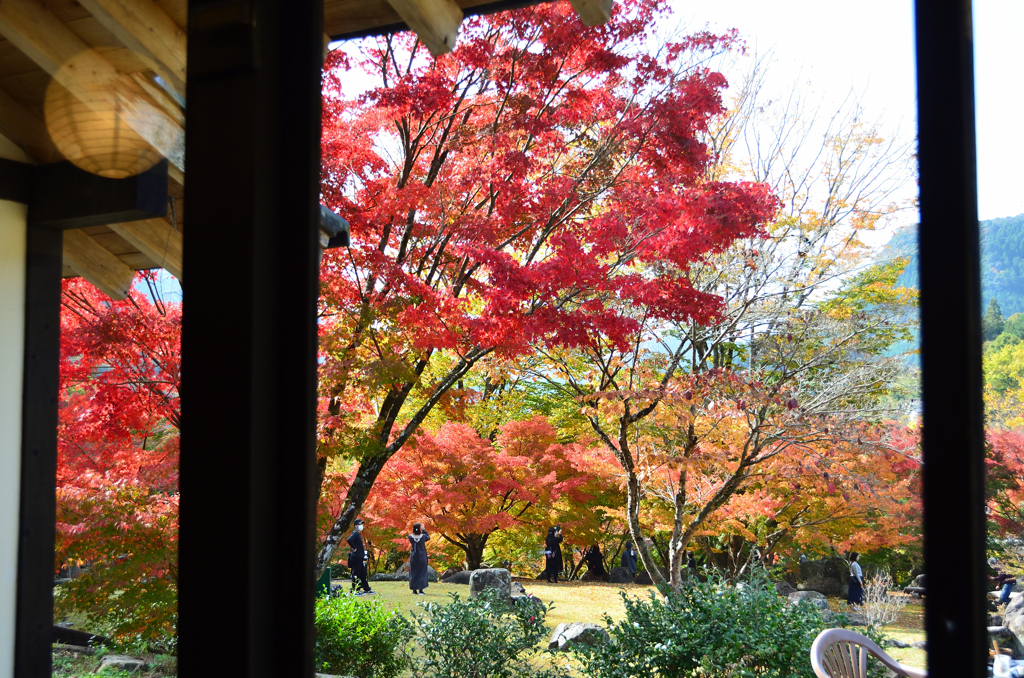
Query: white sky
[868,46]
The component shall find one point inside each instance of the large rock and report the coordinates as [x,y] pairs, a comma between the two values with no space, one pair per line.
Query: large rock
[827,576]
[1013,619]
[495,578]
[582,633]
[450,571]
[385,576]
[620,575]
[784,588]
[813,598]
[829,587]
[402,576]
[121,662]
[462,577]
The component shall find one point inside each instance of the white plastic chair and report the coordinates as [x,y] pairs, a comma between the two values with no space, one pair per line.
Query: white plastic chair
[841,653]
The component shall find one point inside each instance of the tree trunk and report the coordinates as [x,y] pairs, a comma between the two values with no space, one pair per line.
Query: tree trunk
[474,549]
[355,498]
[676,545]
[633,519]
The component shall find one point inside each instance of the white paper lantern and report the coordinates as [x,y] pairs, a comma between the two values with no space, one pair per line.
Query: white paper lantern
[88,125]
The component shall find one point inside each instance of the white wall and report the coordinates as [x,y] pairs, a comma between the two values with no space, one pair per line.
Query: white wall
[12,349]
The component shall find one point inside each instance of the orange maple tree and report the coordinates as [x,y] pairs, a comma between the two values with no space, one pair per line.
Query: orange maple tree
[464,487]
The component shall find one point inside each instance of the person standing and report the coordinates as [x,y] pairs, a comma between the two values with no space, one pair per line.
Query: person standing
[553,554]
[1004,582]
[691,566]
[855,596]
[357,558]
[595,562]
[629,559]
[418,560]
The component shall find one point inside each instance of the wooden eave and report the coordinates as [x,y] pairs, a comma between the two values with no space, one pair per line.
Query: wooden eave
[144,43]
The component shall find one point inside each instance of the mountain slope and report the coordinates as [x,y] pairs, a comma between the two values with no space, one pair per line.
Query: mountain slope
[1002,261]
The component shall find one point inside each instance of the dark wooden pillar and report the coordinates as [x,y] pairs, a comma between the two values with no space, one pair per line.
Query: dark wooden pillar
[954,483]
[249,338]
[38,509]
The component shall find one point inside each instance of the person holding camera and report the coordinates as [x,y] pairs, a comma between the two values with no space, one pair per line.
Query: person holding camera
[553,554]
[357,558]
[418,560]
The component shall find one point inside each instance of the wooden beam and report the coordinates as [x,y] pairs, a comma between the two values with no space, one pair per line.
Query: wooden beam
[436,22]
[97,265]
[45,39]
[67,197]
[146,29]
[160,97]
[157,239]
[26,130]
[593,12]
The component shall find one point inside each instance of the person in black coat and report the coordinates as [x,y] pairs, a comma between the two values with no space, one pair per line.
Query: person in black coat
[553,554]
[357,558]
[691,565]
[629,559]
[418,560]
[595,562]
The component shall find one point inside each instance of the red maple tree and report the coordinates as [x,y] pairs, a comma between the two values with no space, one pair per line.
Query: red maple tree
[117,469]
[500,198]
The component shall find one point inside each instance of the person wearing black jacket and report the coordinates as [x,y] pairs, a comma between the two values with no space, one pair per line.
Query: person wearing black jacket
[553,554]
[357,558]
[595,562]
[629,559]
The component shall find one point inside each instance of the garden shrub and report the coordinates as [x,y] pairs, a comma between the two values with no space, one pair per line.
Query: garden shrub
[483,637]
[708,630]
[358,637]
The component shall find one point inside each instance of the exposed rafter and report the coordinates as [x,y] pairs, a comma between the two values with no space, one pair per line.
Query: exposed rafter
[436,22]
[157,239]
[143,27]
[26,130]
[97,265]
[45,39]
[593,12]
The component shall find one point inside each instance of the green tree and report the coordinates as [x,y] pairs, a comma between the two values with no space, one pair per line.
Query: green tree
[1004,383]
[992,324]
[1015,325]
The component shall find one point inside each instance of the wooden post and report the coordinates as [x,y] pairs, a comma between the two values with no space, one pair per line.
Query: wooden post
[38,511]
[249,339]
[953,434]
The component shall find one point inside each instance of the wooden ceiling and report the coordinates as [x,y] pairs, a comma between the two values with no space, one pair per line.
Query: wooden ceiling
[139,48]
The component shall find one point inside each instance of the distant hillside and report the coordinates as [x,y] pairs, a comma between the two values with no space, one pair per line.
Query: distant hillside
[1002,261]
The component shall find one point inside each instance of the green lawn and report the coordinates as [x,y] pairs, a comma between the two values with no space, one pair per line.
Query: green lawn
[573,601]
